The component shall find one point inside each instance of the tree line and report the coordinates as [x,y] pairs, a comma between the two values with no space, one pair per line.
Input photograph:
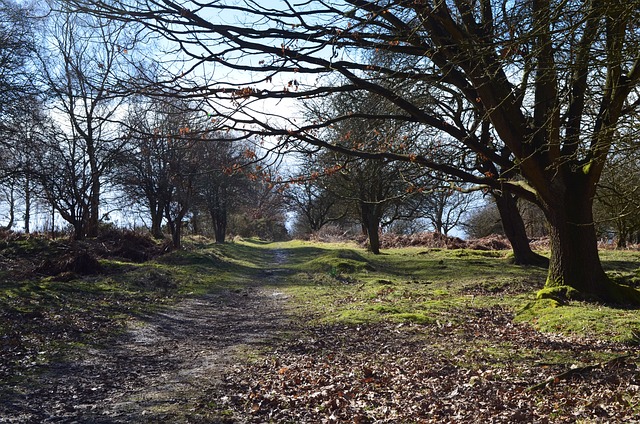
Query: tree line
[83,147]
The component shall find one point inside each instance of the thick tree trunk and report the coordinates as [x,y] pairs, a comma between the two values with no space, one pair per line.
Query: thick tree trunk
[374,239]
[574,254]
[156,226]
[575,270]
[78,230]
[515,231]
[157,213]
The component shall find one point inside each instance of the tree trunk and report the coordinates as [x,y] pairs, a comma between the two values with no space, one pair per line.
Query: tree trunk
[157,213]
[53,222]
[11,210]
[219,219]
[27,205]
[78,230]
[195,222]
[94,191]
[94,208]
[371,224]
[156,226]
[515,231]
[575,270]
[176,235]
[623,235]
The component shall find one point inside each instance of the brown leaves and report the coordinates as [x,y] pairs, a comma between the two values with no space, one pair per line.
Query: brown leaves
[410,373]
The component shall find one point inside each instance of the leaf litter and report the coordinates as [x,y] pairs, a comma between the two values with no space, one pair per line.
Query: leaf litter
[397,373]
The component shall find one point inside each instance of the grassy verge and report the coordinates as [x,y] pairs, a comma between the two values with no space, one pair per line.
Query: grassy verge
[345,284]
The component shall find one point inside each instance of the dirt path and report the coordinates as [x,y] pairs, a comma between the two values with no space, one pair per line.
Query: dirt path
[169,366]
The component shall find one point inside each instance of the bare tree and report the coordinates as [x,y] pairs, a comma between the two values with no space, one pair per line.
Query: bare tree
[308,196]
[161,163]
[17,44]
[445,207]
[556,81]
[618,197]
[224,179]
[78,57]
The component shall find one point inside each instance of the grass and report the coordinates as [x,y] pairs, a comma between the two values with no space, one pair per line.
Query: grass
[345,284]
[412,284]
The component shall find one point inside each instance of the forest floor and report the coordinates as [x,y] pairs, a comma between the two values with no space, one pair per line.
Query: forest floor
[290,341]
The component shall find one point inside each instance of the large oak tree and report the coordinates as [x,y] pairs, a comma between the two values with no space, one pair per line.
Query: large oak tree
[556,81]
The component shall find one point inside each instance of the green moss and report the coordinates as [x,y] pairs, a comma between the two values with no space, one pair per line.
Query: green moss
[386,309]
[338,261]
[418,318]
[581,319]
[559,294]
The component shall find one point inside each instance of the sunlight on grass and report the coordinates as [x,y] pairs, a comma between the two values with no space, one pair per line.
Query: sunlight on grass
[346,284]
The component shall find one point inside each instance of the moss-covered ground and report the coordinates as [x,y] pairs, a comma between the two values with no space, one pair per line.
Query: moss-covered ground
[345,284]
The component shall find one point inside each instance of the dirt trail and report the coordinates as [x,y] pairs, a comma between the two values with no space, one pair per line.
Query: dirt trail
[169,366]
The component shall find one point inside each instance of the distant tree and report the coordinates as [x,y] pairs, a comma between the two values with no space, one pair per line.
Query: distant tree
[262,212]
[313,203]
[535,223]
[444,207]
[183,169]
[486,219]
[224,179]
[143,167]
[617,204]
[161,162]
[483,221]
[379,188]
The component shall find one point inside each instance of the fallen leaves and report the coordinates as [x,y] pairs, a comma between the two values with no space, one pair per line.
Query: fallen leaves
[412,373]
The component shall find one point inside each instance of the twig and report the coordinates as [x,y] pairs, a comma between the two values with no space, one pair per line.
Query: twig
[568,373]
